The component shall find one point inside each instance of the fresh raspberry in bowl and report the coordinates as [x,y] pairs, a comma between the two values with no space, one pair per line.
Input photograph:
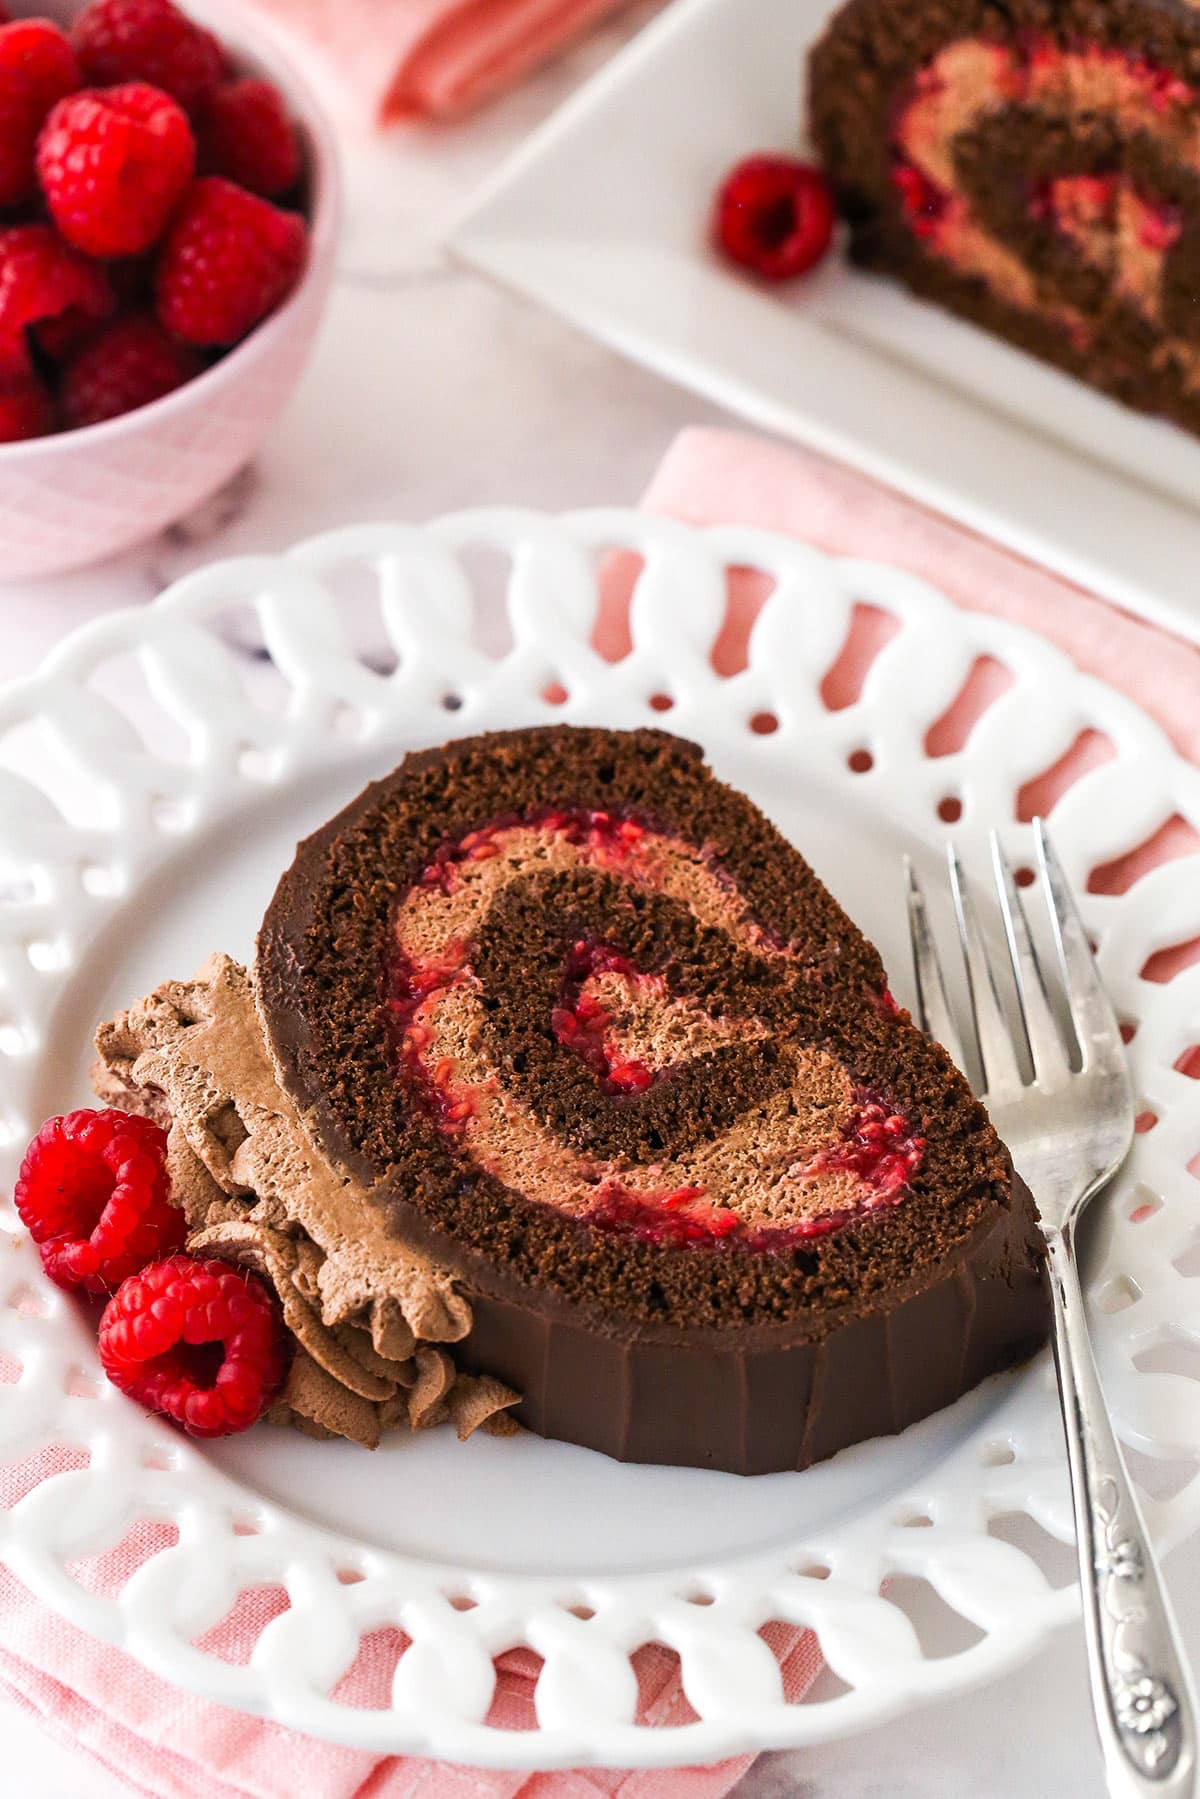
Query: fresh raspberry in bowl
[167,201]
[37,68]
[42,282]
[126,365]
[228,260]
[246,135]
[148,40]
[113,164]
[26,409]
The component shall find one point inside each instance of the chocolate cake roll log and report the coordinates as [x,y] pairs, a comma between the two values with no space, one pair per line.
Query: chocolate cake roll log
[1034,167]
[578,1027]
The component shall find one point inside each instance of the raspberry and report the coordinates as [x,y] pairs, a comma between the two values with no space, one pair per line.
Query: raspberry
[148,40]
[113,163]
[16,363]
[775,216]
[246,135]
[26,409]
[199,1341]
[129,364]
[921,200]
[130,281]
[133,282]
[228,260]
[37,67]
[93,1194]
[43,278]
[63,336]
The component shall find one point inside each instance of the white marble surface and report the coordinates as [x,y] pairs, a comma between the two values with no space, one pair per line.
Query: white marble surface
[431,391]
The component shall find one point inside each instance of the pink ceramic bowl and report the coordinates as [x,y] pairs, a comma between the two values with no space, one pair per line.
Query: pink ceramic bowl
[82,495]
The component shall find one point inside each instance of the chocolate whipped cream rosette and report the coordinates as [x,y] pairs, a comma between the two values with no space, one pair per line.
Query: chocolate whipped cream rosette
[368,1320]
[1034,167]
[563,1091]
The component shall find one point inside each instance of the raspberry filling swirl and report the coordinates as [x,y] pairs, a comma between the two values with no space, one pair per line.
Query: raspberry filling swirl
[558,1009]
[1043,169]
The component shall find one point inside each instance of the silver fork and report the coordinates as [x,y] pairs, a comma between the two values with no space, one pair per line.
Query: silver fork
[1069,1131]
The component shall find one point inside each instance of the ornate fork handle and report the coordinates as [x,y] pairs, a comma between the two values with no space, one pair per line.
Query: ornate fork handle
[1141,1696]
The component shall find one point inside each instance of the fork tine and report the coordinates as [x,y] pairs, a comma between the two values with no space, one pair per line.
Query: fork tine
[933,1011]
[1001,1071]
[1096,1028]
[1046,1047]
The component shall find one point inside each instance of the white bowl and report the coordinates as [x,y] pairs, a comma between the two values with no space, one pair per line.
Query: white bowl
[81,495]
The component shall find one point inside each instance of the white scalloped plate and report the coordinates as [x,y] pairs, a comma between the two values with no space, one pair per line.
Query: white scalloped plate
[166,777]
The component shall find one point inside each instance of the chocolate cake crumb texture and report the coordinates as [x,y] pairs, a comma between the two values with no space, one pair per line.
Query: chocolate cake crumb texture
[582,1028]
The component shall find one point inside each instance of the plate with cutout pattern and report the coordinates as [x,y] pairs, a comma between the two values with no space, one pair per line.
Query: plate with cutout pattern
[154,779]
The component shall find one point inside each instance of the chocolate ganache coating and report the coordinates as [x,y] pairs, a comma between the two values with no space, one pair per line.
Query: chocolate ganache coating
[580,1025]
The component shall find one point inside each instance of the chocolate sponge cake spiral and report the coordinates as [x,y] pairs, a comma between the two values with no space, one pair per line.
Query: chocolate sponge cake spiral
[577,1022]
[1034,166]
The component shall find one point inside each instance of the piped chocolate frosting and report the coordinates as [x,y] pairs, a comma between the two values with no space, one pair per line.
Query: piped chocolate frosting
[371,1318]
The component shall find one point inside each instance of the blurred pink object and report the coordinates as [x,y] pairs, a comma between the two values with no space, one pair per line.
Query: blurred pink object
[80,496]
[433,59]
[153,1739]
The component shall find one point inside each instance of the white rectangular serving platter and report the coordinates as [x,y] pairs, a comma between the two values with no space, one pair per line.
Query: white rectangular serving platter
[603,216]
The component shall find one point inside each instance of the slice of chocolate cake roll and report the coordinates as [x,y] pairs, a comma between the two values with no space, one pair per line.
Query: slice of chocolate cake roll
[573,1024]
[1033,166]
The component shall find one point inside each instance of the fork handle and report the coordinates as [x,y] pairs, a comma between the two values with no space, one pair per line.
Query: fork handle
[1141,1694]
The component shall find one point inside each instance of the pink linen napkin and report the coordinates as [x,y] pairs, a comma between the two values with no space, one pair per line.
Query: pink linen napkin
[432,59]
[714,476]
[156,1742]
